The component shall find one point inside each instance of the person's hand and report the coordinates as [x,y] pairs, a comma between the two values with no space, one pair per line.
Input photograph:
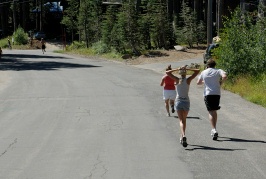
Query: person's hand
[221,81]
[183,68]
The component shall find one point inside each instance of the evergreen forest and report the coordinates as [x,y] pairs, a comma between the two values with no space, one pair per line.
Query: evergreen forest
[126,26]
[131,28]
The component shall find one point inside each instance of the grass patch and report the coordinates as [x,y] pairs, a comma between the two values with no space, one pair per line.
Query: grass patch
[88,52]
[250,88]
[3,43]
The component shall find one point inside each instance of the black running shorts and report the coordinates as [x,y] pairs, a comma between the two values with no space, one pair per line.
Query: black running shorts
[212,102]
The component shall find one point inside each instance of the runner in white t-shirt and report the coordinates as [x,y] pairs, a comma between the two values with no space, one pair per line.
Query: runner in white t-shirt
[212,79]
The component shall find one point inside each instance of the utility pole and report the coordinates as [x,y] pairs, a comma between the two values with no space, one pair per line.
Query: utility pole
[41,9]
[209,22]
[218,16]
[36,17]
[14,15]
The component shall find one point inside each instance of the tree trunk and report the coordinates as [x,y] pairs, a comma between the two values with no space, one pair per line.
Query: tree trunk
[24,16]
[14,16]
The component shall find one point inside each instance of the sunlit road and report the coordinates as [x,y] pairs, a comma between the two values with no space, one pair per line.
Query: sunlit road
[65,117]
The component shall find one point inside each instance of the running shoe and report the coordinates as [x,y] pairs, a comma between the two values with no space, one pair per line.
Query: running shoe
[168,114]
[173,109]
[183,141]
[214,134]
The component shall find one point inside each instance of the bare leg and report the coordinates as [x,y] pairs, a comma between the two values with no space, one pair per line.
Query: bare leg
[167,106]
[172,103]
[182,115]
[213,118]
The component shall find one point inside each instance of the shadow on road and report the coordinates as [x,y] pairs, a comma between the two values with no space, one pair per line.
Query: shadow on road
[190,117]
[21,56]
[201,147]
[220,139]
[14,62]
[238,140]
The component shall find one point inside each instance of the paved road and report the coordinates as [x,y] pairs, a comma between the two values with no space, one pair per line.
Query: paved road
[72,117]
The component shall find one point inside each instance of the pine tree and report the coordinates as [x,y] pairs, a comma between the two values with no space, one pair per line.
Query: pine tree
[187,29]
[127,28]
[89,21]
[110,19]
[144,26]
[70,17]
[160,26]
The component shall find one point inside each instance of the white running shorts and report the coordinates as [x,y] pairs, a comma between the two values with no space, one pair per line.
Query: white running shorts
[169,94]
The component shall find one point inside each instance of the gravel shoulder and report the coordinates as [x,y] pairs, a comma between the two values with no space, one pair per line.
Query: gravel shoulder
[154,56]
[167,56]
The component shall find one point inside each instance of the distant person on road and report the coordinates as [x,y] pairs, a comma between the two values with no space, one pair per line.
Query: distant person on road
[182,101]
[43,45]
[169,92]
[13,41]
[212,79]
[9,44]
[1,52]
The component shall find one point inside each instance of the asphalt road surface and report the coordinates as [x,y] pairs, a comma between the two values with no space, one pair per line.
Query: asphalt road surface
[66,117]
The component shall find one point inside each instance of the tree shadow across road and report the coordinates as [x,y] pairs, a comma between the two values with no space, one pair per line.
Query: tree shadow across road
[15,63]
[29,56]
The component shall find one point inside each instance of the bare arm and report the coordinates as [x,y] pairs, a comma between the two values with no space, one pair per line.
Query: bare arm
[200,81]
[224,77]
[195,73]
[162,82]
[169,73]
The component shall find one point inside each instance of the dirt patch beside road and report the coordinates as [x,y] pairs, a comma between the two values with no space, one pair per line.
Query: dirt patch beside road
[154,56]
[166,56]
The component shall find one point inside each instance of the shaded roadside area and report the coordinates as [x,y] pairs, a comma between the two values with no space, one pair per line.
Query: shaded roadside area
[15,62]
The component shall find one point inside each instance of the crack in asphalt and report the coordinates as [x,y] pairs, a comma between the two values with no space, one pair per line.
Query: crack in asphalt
[96,166]
[10,145]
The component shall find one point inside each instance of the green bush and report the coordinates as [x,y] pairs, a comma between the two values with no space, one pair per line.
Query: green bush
[3,43]
[242,50]
[20,37]
[100,48]
[76,45]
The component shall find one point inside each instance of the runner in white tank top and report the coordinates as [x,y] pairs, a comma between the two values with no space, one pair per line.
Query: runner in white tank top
[182,90]
[182,99]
